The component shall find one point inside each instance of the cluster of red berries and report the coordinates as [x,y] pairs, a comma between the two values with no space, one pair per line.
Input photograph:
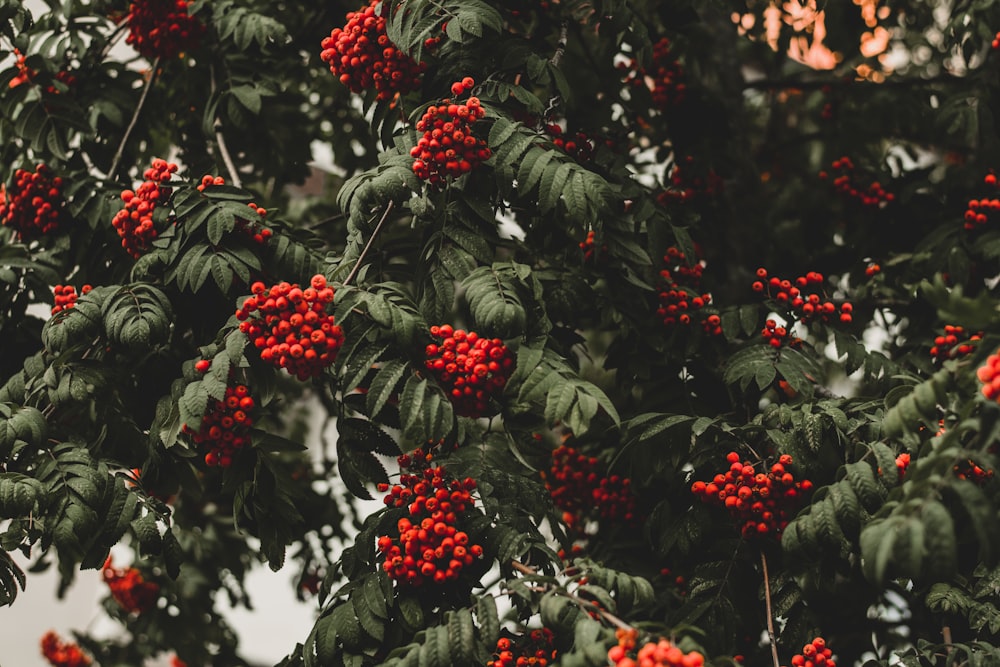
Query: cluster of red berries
[776,336]
[804,296]
[578,146]
[34,205]
[582,492]
[27,74]
[62,654]
[471,369]
[134,223]
[65,296]
[661,653]
[129,588]
[686,185]
[430,547]
[361,56]
[762,502]
[678,295]
[995,44]
[290,326]
[872,269]
[989,375]
[448,147]
[665,78]
[225,426]
[968,469]
[534,649]
[258,233]
[677,581]
[592,253]
[162,28]
[954,342]
[846,184]
[978,212]
[814,654]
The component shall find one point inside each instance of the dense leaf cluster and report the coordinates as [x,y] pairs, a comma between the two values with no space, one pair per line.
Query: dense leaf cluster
[618,290]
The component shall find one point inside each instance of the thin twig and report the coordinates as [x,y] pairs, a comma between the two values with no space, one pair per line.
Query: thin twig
[220,141]
[767,605]
[946,635]
[364,252]
[135,117]
[561,45]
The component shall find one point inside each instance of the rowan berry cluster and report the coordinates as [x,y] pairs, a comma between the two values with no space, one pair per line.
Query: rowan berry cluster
[62,654]
[954,342]
[129,588]
[761,502]
[534,649]
[989,375]
[902,463]
[134,223]
[979,212]
[66,296]
[257,232]
[678,295]
[845,182]
[685,184]
[578,146]
[591,252]
[814,654]
[661,653]
[290,326]
[449,147]
[472,370]
[361,56]
[429,547]
[973,472]
[677,581]
[225,426]
[580,489]
[27,74]
[872,269]
[162,28]
[804,296]
[776,336]
[33,206]
[665,78]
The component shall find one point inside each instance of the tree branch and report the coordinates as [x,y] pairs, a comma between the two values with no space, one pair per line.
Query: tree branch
[220,141]
[560,45]
[361,258]
[767,605]
[135,117]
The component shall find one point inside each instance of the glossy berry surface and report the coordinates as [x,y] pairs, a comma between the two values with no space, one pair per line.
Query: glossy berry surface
[129,588]
[984,211]
[814,654]
[362,58]
[471,369]
[804,298]
[534,649]
[65,296]
[660,653]
[954,342]
[33,205]
[678,291]
[225,426]
[290,326]
[580,487]
[448,147]
[134,223]
[762,501]
[429,546]
[162,28]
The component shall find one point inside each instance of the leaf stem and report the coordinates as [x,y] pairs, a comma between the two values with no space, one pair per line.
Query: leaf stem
[135,117]
[364,252]
[767,604]
[220,141]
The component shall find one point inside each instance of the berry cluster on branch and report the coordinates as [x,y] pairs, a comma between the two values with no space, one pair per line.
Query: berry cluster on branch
[65,296]
[846,183]
[429,547]
[129,588]
[660,653]
[761,502]
[290,326]
[804,296]
[578,145]
[591,251]
[33,206]
[162,28]
[664,78]
[225,426]
[471,369]
[689,183]
[776,336]
[814,654]
[60,653]
[954,342]
[361,56]
[534,649]
[448,147]
[579,488]
[980,212]
[134,223]
[678,293]
[989,375]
